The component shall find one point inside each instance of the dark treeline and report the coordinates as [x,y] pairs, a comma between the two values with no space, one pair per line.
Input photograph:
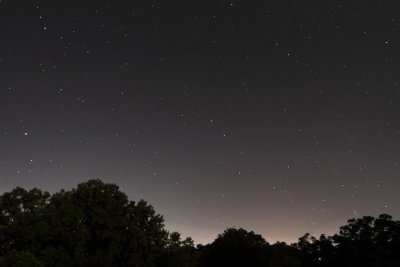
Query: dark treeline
[96,225]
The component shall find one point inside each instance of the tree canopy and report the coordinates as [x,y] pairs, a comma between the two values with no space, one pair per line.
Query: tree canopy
[95,224]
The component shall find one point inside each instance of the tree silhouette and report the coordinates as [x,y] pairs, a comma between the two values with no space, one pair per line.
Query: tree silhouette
[19,212]
[369,242]
[20,259]
[92,225]
[365,241]
[282,255]
[179,253]
[95,224]
[236,247]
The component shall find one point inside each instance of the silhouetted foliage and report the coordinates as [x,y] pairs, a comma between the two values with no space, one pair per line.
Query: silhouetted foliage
[369,242]
[92,225]
[362,242]
[96,225]
[316,252]
[236,247]
[283,255]
[20,259]
[179,252]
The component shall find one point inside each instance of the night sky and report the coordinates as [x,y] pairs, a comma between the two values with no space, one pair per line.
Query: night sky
[281,117]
